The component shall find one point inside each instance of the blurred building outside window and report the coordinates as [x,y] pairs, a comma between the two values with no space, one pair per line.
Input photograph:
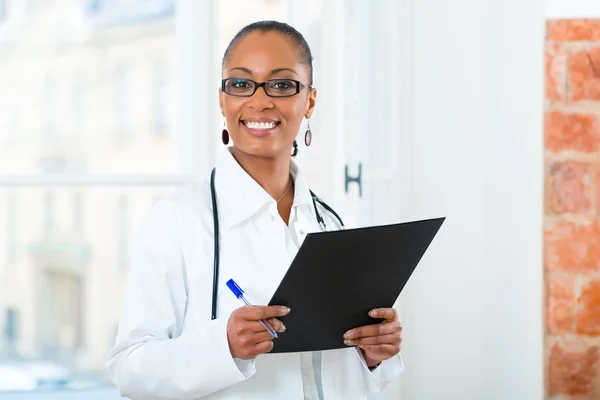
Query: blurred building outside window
[123,231]
[77,77]
[3,10]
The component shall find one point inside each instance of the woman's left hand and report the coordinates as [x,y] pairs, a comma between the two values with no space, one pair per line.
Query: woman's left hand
[380,341]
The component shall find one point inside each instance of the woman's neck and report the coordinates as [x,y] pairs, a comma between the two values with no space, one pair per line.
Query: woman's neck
[272,174]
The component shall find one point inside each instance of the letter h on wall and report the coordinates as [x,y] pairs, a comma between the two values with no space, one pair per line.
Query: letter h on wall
[357,179]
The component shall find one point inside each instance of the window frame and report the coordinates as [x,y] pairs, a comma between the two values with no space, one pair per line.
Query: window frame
[195,28]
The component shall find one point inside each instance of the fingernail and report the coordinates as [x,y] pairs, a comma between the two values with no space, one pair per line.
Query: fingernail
[283,328]
[286,310]
[372,313]
[348,335]
[347,342]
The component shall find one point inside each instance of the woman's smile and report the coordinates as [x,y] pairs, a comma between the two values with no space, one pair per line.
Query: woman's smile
[259,127]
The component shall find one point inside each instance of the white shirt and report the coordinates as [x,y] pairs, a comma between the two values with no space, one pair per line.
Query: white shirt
[168,347]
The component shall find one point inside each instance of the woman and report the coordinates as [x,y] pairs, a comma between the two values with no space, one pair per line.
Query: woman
[168,346]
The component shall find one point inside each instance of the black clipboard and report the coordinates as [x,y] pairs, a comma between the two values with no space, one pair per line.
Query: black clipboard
[337,277]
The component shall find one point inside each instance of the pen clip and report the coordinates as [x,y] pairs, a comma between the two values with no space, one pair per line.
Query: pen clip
[234,287]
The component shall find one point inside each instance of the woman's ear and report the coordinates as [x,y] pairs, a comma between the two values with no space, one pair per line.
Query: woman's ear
[312,100]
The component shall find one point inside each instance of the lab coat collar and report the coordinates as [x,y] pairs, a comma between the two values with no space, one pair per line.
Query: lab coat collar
[302,194]
[240,197]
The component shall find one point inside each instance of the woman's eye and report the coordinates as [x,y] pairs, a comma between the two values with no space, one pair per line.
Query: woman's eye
[241,84]
[281,85]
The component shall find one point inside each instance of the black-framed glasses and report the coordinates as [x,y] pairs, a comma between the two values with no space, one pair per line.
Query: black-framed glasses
[274,88]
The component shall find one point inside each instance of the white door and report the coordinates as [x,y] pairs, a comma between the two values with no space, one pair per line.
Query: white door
[360,158]
[361,120]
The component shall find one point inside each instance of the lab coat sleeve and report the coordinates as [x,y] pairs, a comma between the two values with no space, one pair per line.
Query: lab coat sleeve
[376,380]
[151,359]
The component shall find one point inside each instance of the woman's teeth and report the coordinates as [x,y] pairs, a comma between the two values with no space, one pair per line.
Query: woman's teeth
[259,125]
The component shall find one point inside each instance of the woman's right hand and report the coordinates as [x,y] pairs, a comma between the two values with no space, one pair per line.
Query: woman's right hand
[247,336]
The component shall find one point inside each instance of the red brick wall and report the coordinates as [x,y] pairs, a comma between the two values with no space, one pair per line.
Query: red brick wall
[572,209]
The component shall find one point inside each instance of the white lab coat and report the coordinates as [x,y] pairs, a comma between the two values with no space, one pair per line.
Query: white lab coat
[167,346]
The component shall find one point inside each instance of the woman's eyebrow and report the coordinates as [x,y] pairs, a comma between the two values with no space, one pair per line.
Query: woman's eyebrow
[246,70]
[273,72]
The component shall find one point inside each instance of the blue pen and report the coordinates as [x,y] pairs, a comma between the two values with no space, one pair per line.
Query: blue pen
[239,293]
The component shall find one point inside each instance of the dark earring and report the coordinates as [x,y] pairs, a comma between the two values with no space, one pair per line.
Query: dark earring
[225,135]
[308,135]
[295,151]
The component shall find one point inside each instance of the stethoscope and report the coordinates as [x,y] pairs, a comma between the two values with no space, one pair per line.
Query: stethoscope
[213,196]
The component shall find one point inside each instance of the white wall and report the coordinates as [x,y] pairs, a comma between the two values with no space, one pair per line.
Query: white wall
[473,310]
[514,201]
[556,9]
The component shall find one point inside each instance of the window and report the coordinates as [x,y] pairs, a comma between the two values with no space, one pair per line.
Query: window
[77,102]
[92,6]
[49,96]
[3,10]
[11,221]
[62,333]
[65,310]
[12,133]
[122,101]
[161,97]
[11,329]
[78,216]
[123,233]
[89,89]
[48,213]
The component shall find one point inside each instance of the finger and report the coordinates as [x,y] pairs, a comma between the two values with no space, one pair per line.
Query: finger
[249,341]
[251,327]
[389,314]
[261,337]
[256,313]
[378,351]
[263,347]
[245,326]
[391,338]
[383,328]
[276,324]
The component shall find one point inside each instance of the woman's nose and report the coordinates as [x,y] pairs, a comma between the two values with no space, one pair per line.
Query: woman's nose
[260,101]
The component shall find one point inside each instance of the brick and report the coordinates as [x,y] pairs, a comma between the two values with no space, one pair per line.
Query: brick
[571,30]
[575,131]
[568,188]
[588,316]
[584,75]
[571,247]
[598,189]
[560,306]
[572,372]
[556,72]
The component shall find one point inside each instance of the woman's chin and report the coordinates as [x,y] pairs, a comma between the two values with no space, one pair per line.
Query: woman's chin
[262,150]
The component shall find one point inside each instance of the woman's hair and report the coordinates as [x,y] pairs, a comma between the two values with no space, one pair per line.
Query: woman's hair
[283,29]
